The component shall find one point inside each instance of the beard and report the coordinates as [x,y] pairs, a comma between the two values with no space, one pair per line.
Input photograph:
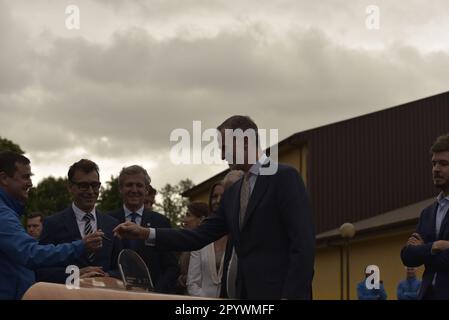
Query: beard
[441,183]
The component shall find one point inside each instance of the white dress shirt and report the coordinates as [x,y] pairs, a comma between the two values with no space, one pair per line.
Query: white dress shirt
[79,215]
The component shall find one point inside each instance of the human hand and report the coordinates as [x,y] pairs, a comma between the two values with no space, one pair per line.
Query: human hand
[130,230]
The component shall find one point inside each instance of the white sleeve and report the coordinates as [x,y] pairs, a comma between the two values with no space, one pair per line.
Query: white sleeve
[151,241]
[194,275]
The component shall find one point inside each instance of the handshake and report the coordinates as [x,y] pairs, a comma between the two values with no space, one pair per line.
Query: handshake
[438,246]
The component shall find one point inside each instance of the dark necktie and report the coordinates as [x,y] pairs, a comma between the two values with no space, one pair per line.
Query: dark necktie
[245,193]
[134,217]
[88,229]
[132,244]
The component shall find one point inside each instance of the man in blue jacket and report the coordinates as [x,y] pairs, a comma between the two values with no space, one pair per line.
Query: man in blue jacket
[365,293]
[429,245]
[20,254]
[408,289]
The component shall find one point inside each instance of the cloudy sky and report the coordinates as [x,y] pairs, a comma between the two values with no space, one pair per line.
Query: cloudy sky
[113,90]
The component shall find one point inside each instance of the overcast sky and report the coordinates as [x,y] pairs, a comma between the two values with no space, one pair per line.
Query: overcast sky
[113,90]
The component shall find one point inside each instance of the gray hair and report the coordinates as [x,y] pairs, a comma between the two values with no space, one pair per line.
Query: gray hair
[134,169]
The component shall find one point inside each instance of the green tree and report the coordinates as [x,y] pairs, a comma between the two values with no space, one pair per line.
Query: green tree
[8,145]
[110,196]
[173,204]
[49,196]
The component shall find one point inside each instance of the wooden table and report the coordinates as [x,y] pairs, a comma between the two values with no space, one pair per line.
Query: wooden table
[96,289]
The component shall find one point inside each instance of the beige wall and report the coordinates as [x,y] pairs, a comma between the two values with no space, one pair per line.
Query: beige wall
[381,250]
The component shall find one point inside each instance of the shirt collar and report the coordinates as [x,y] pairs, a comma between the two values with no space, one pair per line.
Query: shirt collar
[129,212]
[79,214]
[14,204]
[255,168]
[442,200]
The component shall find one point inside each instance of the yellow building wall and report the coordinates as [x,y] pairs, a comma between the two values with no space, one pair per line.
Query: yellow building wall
[291,157]
[382,250]
[297,158]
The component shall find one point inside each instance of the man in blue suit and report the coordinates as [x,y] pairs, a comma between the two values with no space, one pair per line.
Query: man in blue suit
[163,265]
[79,220]
[19,252]
[266,214]
[429,245]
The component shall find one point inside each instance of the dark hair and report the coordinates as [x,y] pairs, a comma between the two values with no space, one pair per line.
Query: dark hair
[211,193]
[239,122]
[134,169]
[84,165]
[198,209]
[8,162]
[151,190]
[35,215]
[441,144]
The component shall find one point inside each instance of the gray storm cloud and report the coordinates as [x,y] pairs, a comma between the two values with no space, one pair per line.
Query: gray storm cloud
[125,95]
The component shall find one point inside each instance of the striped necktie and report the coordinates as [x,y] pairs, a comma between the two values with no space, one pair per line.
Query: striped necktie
[245,193]
[88,217]
[88,229]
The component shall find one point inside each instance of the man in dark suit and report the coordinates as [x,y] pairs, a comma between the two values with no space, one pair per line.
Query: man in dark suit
[268,218]
[79,220]
[430,243]
[163,266]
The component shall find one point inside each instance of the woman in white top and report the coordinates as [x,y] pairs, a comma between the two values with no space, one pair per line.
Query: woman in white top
[196,212]
[206,265]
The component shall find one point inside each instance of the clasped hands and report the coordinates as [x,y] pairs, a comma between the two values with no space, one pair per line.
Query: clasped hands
[438,246]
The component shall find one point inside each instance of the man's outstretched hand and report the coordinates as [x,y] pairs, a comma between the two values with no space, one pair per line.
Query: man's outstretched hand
[93,241]
[130,230]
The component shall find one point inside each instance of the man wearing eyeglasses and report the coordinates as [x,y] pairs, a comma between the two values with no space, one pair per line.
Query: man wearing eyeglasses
[79,220]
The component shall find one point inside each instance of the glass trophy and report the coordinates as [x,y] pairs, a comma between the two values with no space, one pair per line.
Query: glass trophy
[134,271]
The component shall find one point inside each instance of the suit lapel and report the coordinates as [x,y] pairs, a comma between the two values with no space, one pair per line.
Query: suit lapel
[235,209]
[122,215]
[443,225]
[146,220]
[262,183]
[434,221]
[100,221]
[71,224]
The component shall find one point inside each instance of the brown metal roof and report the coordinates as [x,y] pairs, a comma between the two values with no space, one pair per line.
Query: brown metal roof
[360,167]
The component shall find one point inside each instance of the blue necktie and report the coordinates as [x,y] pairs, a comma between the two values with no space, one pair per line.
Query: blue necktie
[132,244]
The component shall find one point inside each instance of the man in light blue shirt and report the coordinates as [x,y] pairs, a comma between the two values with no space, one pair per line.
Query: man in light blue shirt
[364,293]
[20,253]
[408,289]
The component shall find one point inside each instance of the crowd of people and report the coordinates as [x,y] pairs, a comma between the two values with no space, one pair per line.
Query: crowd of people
[255,238]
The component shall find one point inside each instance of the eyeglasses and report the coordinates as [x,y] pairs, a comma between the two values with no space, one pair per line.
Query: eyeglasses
[84,186]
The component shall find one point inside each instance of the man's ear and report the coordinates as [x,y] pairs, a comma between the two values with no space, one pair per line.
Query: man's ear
[3,178]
